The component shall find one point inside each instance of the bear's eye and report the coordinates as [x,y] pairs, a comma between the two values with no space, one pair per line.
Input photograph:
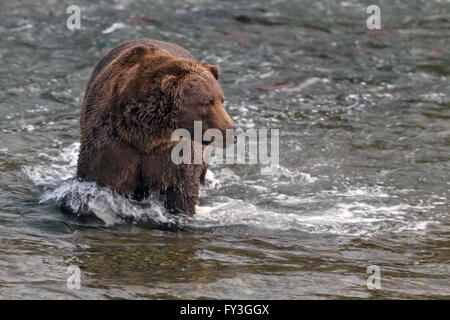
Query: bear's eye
[210,103]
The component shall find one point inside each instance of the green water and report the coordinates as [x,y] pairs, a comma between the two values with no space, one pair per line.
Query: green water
[364,119]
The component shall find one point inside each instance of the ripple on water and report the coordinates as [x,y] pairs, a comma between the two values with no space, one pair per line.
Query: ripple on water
[351,212]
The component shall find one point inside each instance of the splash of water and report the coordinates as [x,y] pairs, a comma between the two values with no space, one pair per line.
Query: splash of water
[354,215]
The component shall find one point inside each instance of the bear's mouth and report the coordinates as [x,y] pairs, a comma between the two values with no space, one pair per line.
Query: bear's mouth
[207,143]
[228,138]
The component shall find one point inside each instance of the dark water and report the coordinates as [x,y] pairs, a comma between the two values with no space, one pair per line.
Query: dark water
[364,119]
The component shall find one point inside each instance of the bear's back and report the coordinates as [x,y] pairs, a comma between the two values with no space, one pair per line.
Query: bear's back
[92,96]
[173,49]
[101,96]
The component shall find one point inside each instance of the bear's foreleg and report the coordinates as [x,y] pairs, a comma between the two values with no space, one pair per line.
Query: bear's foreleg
[182,198]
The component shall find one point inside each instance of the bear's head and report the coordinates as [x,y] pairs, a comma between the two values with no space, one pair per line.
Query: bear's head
[163,93]
[194,89]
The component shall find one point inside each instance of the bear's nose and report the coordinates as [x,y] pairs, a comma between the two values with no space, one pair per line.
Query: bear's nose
[236,130]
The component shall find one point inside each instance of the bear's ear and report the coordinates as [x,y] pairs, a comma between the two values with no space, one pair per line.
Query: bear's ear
[132,56]
[213,69]
[167,82]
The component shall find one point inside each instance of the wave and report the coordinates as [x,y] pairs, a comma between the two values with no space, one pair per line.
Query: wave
[349,212]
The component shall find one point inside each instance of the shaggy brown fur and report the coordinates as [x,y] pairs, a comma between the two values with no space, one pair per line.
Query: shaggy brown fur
[138,94]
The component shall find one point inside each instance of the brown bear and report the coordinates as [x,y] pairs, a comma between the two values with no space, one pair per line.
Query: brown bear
[138,94]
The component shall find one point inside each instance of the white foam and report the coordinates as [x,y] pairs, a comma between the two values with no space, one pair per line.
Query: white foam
[356,218]
[113,208]
[356,211]
[61,167]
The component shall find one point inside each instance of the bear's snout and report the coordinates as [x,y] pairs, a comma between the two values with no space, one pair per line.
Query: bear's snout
[235,131]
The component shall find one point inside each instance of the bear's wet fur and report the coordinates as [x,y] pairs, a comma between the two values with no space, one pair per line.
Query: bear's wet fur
[138,94]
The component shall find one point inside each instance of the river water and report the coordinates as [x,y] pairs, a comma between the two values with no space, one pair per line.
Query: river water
[363,178]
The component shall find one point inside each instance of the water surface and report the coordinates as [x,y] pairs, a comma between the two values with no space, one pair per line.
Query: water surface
[364,119]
